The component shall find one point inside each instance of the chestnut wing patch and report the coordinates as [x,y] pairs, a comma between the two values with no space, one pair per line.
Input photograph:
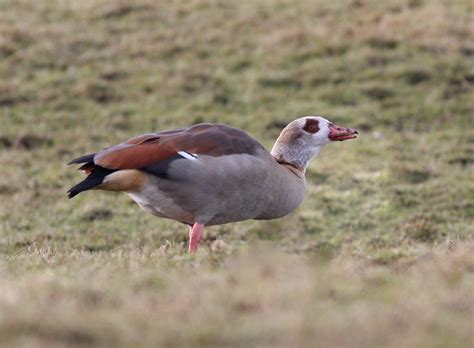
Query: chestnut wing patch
[154,152]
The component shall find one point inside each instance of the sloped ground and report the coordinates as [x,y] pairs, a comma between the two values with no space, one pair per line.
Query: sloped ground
[379,254]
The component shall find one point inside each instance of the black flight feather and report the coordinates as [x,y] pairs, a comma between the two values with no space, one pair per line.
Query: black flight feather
[84,159]
[96,177]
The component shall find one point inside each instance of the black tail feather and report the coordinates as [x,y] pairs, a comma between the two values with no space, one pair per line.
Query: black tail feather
[84,159]
[96,177]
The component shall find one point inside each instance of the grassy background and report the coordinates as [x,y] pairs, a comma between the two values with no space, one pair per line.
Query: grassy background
[379,254]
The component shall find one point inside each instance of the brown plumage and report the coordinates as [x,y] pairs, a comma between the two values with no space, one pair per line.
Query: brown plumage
[211,174]
[206,138]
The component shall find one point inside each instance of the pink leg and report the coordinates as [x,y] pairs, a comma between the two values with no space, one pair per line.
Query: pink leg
[194,237]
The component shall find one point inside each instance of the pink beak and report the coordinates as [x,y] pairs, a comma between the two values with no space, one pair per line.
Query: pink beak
[338,133]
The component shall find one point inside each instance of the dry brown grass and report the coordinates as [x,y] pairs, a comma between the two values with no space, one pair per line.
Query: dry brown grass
[259,297]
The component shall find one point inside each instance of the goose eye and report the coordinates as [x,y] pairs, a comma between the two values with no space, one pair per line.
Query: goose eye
[311,126]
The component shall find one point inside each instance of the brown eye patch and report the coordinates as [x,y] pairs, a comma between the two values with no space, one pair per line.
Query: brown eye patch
[311,125]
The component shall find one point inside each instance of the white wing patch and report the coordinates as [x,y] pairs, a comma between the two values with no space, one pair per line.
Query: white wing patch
[188,155]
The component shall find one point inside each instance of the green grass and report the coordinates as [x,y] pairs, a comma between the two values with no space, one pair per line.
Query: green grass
[379,254]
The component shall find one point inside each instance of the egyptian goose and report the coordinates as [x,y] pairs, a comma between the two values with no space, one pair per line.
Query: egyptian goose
[211,174]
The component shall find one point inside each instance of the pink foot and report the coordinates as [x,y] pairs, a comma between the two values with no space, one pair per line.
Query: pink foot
[194,237]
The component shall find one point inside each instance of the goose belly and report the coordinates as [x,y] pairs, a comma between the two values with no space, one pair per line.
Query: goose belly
[153,201]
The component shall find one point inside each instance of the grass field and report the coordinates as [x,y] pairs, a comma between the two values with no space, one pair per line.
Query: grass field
[381,252]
